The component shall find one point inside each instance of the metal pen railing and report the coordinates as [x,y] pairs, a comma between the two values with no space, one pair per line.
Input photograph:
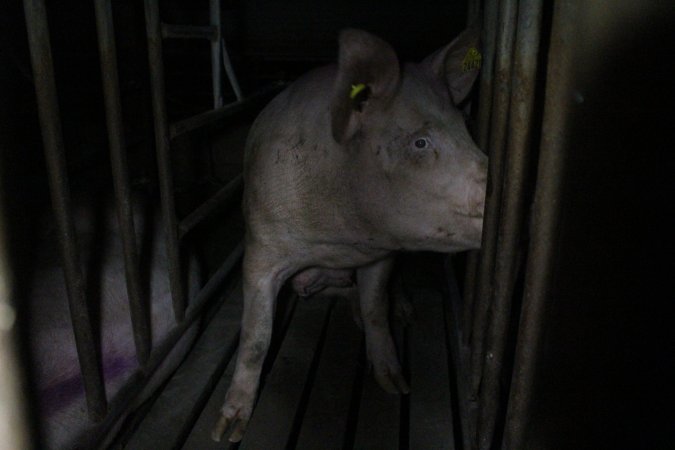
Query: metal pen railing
[38,33]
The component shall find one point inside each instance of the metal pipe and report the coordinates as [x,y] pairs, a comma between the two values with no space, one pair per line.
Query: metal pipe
[14,424]
[50,124]
[545,218]
[489,39]
[213,204]
[162,143]
[509,256]
[502,95]
[229,70]
[217,115]
[214,17]
[111,93]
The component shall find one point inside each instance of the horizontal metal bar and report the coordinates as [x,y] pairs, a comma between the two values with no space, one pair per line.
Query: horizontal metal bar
[140,319]
[50,125]
[209,117]
[224,195]
[208,32]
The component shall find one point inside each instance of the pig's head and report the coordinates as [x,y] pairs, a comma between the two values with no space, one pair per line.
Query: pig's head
[420,178]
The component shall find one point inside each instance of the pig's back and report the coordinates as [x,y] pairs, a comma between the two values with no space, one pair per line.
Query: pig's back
[290,154]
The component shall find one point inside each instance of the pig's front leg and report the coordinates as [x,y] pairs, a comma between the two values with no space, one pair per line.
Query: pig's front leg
[261,286]
[372,282]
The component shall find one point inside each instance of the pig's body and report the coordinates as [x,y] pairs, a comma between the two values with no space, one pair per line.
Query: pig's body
[59,388]
[350,164]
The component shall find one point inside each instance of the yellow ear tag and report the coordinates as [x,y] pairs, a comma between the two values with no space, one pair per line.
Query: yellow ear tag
[472,60]
[356,88]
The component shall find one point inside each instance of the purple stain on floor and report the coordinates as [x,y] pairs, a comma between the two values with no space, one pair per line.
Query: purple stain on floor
[57,396]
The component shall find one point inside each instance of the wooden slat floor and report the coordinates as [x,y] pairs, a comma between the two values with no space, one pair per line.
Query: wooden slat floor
[317,390]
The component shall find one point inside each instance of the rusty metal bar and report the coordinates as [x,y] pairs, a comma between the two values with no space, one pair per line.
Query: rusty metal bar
[489,39]
[216,55]
[224,195]
[162,143]
[502,95]
[545,218]
[170,31]
[50,124]
[509,256]
[111,93]
[216,115]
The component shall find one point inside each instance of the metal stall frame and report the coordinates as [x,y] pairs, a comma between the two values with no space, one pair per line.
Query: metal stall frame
[505,128]
[41,59]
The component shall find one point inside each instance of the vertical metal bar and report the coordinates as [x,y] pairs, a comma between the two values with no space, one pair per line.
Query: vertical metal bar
[14,426]
[50,124]
[229,69]
[484,113]
[512,212]
[111,93]
[472,10]
[214,17]
[162,142]
[545,218]
[502,95]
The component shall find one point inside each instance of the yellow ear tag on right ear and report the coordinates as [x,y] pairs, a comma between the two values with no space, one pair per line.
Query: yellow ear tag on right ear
[472,60]
[356,88]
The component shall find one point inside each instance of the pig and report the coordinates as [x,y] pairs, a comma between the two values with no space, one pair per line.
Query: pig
[349,165]
[59,392]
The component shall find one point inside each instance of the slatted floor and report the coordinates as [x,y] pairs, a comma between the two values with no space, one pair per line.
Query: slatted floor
[317,391]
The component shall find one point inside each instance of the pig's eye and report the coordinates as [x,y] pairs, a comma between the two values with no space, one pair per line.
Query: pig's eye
[421,143]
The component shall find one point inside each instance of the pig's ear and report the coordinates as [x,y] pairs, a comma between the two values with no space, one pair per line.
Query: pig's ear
[458,63]
[368,71]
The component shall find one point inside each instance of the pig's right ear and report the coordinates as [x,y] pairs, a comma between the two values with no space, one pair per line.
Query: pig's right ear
[368,71]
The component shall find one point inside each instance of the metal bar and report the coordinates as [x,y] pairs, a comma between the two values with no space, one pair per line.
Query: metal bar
[170,31]
[502,94]
[509,257]
[545,218]
[484,113]
[229,70]
[472,10]
[224,195]
[214,16]
[162,143]
[50,124]
[216,115]
[111,93]
[14,425]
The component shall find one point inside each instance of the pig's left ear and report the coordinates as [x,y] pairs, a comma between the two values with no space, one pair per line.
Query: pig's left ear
[458,63]
[368,72]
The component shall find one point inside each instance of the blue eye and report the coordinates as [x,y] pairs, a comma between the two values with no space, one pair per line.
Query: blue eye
[421,143]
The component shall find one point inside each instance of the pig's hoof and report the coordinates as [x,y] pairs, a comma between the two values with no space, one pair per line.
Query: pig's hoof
[234,416]
[225,421]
